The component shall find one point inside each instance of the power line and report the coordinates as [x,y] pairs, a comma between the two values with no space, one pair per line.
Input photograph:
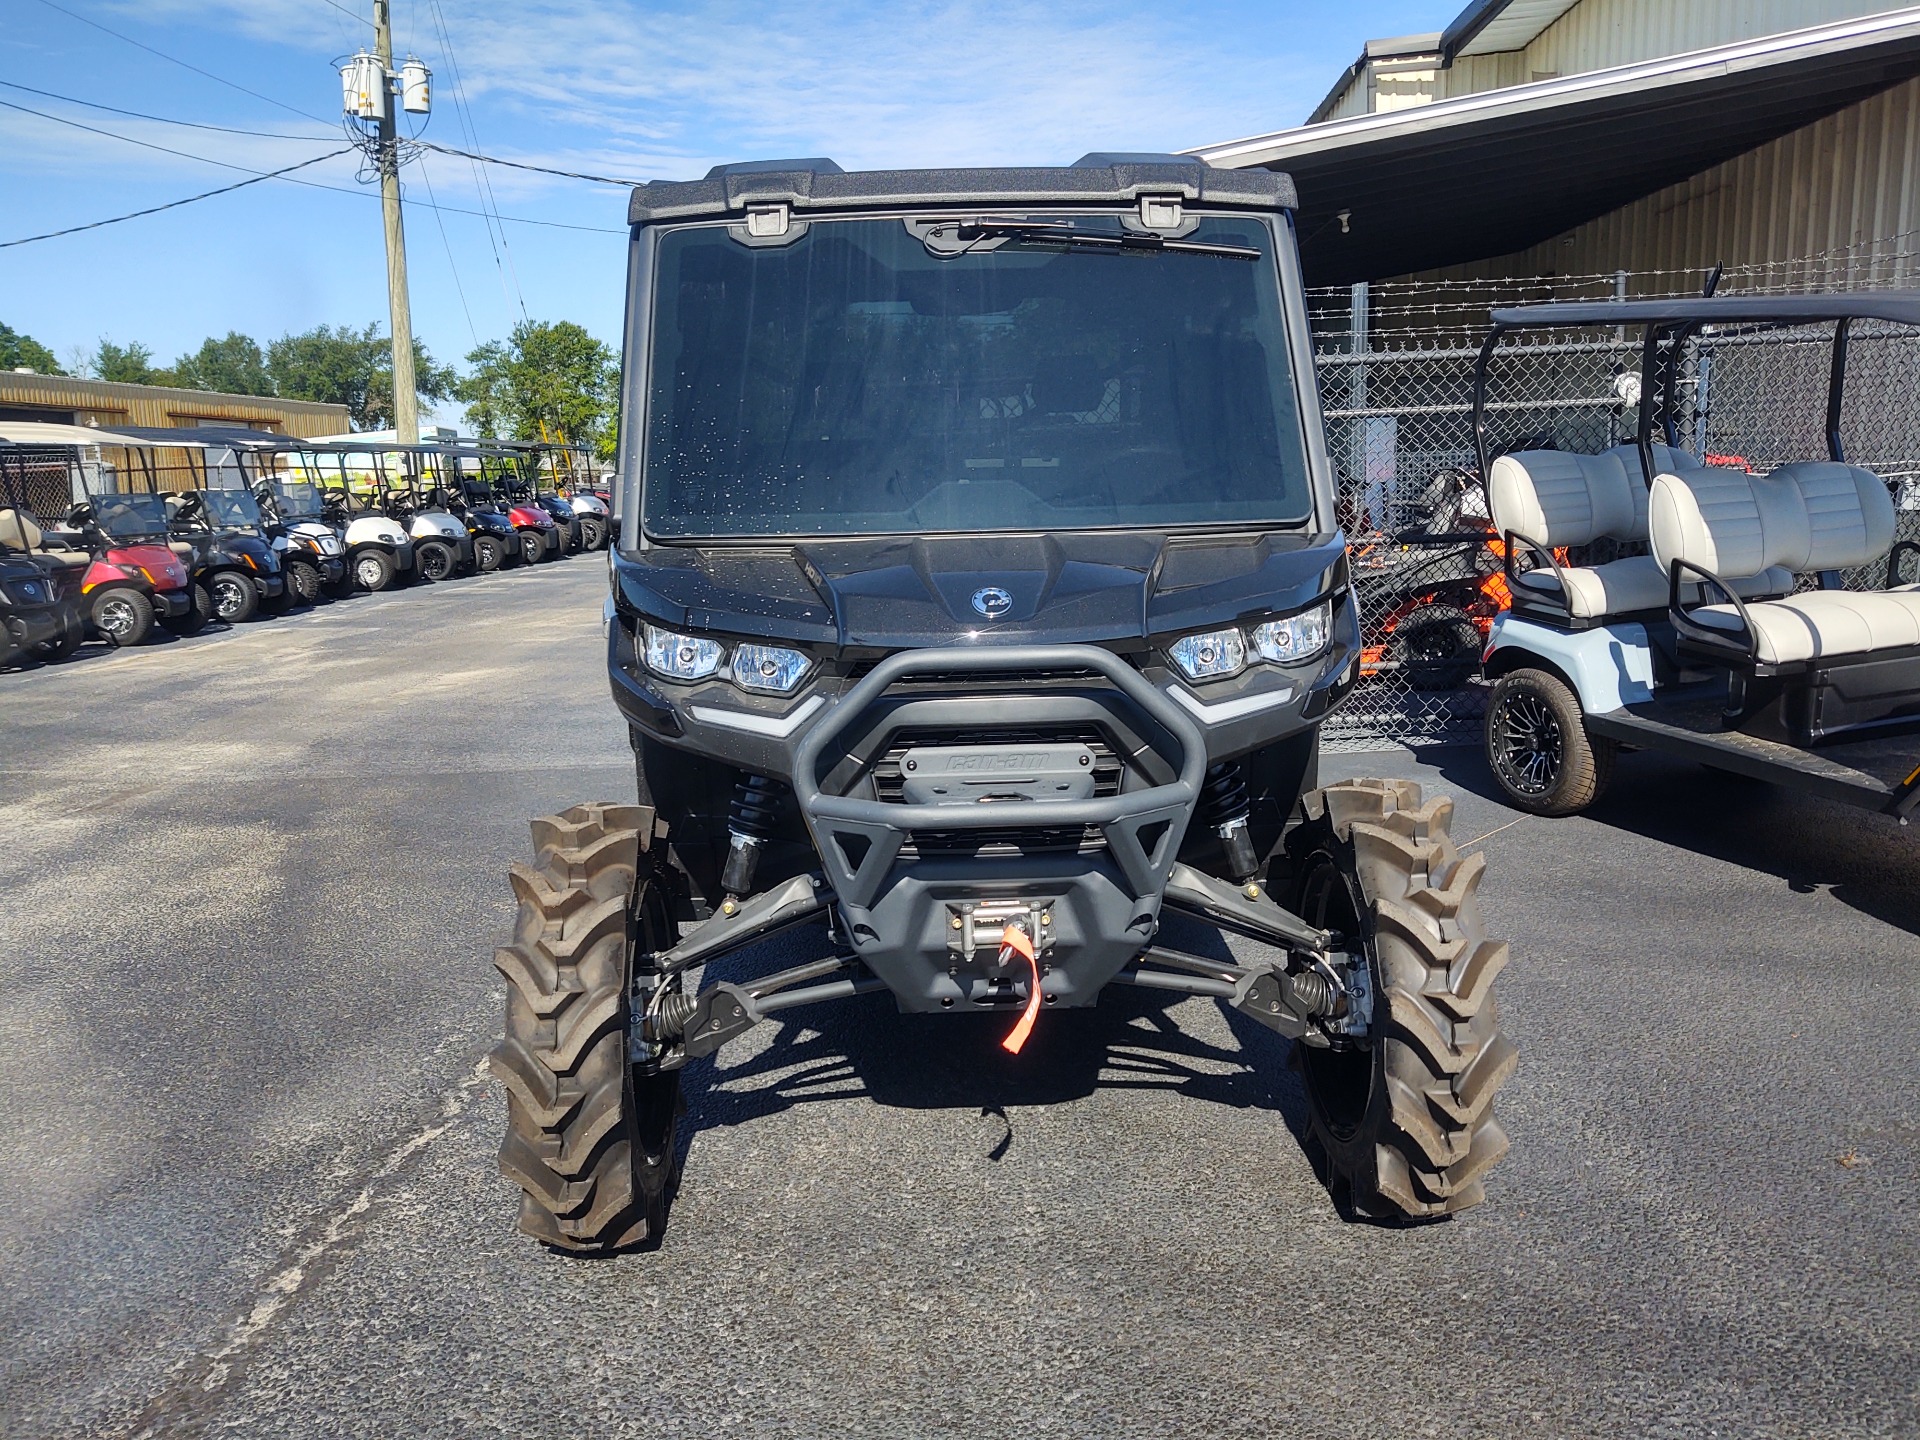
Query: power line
[218,79]
[162,119]
[483,186]
[171,204]
[452,265]
[311,184]
[523,165]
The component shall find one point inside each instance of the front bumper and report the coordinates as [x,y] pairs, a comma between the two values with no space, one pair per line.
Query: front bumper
[1086,875]
[37,625]
[271,587]
[172,604]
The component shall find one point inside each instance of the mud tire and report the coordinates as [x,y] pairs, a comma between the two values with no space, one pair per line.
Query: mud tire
[1403,1129]
[590,1137]
[303,583]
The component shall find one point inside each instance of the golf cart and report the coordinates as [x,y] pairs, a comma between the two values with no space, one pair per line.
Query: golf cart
[978,606]
[494,488]
[233,558]
[305,524]
[572,478]
[1699,642]
[40,602]
[436,472]
[441,545]
[378,547]
[128,575]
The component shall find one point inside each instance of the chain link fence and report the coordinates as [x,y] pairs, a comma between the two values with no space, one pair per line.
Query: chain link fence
[1396,384]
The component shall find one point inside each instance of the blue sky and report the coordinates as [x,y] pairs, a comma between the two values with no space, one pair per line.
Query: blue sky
[611,87]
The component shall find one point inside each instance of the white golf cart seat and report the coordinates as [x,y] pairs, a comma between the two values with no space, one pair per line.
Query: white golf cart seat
[1814,516]
[17,530]
[1556,498]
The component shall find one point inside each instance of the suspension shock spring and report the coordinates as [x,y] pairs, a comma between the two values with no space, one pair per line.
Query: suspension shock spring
[758,803]
[1229,805]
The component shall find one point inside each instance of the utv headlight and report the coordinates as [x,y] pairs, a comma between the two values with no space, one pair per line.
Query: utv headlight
[1297,637]
[682,657]
[1211,655]
[769,667]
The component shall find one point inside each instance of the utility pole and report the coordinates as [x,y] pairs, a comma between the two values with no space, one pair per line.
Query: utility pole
[406,400]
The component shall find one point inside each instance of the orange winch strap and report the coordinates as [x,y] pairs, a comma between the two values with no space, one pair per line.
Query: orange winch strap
[1016,941]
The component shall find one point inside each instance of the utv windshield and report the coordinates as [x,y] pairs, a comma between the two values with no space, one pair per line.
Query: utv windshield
[899,377]
[131,517]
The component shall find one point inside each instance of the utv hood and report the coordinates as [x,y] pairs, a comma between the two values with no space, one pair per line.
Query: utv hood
[908,592]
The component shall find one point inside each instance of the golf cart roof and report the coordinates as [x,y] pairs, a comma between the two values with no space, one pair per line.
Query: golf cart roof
[211,437]
[1899,306]
[40,432]
[819,185]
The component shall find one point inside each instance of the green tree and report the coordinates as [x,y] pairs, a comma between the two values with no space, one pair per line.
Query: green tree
[130,364]
[233,366]
[548,381]
[339,365]
[19,352]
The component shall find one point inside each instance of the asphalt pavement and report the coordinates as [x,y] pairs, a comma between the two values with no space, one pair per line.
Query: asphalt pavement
[250,884]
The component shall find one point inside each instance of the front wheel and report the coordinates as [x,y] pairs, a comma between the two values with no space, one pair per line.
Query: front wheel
[1400,1118]
[1538,747]
[303,582]
[488,553]
[591,1136]
[434,561]
[195,620]
[593,534]
[532,548]
[234,598]
[122,616]
[372,569]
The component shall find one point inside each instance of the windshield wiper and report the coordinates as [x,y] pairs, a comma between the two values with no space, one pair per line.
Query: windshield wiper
[1057,232]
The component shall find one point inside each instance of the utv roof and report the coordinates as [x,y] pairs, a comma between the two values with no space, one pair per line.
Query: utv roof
[820,185]
[1900,306]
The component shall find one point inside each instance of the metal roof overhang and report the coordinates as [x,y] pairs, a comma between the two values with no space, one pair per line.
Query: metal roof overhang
[1490,174]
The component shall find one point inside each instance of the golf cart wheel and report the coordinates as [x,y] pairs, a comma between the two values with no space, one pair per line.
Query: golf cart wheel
[1400,1123]
[433,561]
[488,553]
[1437,647]
[1538,747]
[372,569]
[590,1135]
[195,620]
[52,652]
[342,588]
[234,598]
[303,583]
[123,616]
[593,534]
[532,548]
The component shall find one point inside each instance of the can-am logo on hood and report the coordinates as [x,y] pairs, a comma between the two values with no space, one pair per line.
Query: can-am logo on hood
[992,602]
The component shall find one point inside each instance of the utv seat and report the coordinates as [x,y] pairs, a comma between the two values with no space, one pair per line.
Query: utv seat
[1553,498]
[1817,516]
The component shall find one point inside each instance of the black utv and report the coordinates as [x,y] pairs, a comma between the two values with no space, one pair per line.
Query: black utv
[977,599]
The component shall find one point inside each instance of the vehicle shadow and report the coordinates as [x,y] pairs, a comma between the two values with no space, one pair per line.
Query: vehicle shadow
[863,1050]
[1866,861]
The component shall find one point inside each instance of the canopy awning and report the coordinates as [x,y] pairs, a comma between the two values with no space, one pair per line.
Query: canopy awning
[45,432]
[1489,174]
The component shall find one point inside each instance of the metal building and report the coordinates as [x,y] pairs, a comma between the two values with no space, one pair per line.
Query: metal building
[1544,138]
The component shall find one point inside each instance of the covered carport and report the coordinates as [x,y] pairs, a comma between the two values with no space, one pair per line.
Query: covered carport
[1490,174]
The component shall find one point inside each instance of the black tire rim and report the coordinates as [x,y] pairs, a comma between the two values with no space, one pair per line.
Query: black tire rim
[437,564]
[1528,747]
[1340,1083]
[531,547]
[116,618]
[370,572]
[653,1099]
[229,598]
[486,554]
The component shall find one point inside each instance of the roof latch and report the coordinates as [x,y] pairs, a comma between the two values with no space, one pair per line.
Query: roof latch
[1160,212]
[768,222]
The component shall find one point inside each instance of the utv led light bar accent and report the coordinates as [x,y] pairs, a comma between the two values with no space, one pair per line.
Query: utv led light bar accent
[1222,711]
[776,726]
